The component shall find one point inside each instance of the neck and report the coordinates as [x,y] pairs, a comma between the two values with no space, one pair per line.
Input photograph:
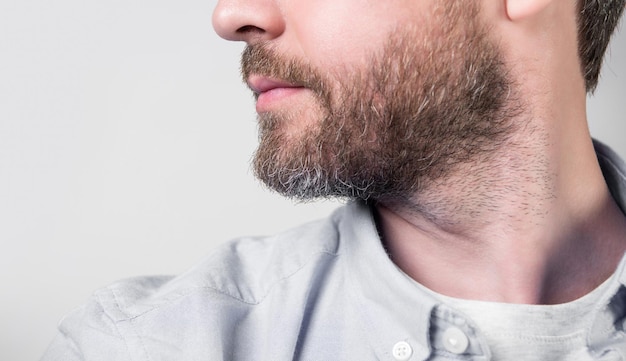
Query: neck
[534,225]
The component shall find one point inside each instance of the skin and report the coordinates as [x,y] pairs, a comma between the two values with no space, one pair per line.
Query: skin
[551,231]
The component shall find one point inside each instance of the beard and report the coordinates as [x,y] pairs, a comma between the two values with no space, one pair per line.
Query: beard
[429,101]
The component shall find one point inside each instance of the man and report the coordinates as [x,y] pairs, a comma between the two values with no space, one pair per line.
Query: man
[485,222]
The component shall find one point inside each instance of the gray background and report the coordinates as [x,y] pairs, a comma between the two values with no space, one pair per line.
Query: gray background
[125,139]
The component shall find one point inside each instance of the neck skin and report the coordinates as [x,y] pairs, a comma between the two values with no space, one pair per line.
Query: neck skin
[515,241]
[535,224]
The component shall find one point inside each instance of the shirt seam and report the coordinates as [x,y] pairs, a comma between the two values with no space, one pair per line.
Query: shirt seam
[190,290]
[117,322]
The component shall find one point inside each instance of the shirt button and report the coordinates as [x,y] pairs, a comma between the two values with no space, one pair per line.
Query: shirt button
[455,341]
[402,351]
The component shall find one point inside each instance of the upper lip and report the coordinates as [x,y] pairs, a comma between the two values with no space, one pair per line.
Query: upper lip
[260,84]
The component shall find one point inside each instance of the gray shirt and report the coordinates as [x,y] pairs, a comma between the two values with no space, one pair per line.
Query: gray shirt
[323,291]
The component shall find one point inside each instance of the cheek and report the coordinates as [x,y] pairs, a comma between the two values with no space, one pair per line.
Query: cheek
[334,33]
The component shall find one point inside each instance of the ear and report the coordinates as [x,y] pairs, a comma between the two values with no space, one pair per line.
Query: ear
[520,9]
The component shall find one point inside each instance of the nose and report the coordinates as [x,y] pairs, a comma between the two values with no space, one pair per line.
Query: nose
[248,20]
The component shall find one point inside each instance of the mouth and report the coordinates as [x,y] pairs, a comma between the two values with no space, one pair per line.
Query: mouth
[259,84]
[270,92]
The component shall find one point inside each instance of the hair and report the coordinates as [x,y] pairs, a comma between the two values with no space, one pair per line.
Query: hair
[597,19]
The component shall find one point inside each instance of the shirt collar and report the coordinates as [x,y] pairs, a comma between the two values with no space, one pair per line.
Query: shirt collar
[614,171]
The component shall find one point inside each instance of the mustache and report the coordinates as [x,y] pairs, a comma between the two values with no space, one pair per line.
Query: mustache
[261,59]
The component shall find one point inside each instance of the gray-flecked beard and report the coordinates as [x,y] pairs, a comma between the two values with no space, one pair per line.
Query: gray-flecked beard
[430,100]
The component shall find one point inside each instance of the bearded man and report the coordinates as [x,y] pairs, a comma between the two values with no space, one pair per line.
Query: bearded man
[483,221]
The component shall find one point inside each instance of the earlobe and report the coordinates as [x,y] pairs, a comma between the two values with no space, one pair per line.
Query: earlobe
[519,9]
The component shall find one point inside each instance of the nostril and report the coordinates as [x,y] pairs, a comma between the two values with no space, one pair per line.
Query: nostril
[247,29]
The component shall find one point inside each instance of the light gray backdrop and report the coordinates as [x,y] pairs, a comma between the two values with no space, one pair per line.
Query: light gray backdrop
[125,138]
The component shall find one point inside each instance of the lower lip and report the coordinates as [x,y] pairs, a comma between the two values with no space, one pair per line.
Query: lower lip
[271,99]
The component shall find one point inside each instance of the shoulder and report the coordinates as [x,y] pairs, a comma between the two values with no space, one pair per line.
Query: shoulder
[235,281]
[242,270]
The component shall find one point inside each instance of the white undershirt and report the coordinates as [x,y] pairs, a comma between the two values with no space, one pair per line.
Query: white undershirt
[535,332]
